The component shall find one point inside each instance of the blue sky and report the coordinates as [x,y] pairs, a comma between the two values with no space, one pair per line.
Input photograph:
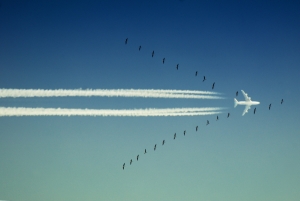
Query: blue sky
[249,45]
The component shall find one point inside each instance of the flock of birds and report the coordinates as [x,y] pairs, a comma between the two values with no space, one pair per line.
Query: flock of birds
[184,132]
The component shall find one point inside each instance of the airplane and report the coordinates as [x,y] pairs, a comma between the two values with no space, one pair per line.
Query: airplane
[248,103]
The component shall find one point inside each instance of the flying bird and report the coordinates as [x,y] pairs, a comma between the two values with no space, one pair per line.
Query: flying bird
[154,147]
[123,166]
[126,41]
[207,122]
[254,110]
[217,118]
[196,73]
[236,93]
[152,53]
[130,161]
[163,142]
[270,106]
[174,136]
[164,60]
[137,157]
[140,48]
[281,101]
[196,128]
[177,66]
[228,115]
[184,133]
[213,86]
[204,79]
[145,151]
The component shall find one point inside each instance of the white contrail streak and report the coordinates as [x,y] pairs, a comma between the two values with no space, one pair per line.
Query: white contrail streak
[29,93]
[21,111]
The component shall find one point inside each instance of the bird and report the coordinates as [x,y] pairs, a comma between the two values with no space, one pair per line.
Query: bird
[213,86]
[196,128]
[126,41]
[281,101]
[163,142]
[137,157]
[196,73]
[228,115]
[207,122]
[270,106]
[254,110]
[177,66]
[174,136]
[184,133]
[152,53]
[123,166]
[204,79]
[164,60]
[130,161]
[140,48]
[145,151]
[154,147]
[217,118]
[236,93]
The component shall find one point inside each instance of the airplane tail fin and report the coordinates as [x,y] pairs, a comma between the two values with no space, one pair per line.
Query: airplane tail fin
[235,102]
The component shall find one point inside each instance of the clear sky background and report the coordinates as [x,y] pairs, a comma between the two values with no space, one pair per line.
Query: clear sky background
[249,45]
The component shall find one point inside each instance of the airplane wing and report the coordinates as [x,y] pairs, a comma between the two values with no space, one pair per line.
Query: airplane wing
[246,96]
[247,107]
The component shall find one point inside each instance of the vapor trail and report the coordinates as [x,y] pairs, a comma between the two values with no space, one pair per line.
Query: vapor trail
[28,93]
[21,111]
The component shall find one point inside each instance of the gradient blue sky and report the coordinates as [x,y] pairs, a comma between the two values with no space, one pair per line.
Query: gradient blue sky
[249,45]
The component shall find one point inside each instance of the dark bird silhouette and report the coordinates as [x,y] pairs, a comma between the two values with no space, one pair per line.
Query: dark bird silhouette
[177,66]
[145,151]
[269,106]
[281,101]
[196,73]
[174,136]
[140,48]
[196,128]
[154,147]
[152,53]
[207,122]
[137,157]
[163,142]
[204,78]
[228,115]
[130,161]
[217,118]
[123,166]
[164,60]
[213,86]
[126,41]
[236,93]
[184,133]
[254,110]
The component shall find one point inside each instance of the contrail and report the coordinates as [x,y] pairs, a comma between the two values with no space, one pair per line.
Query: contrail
[22,111]
[151,93]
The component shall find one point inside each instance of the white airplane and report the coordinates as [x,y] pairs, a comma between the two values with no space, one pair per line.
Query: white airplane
[248,102]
